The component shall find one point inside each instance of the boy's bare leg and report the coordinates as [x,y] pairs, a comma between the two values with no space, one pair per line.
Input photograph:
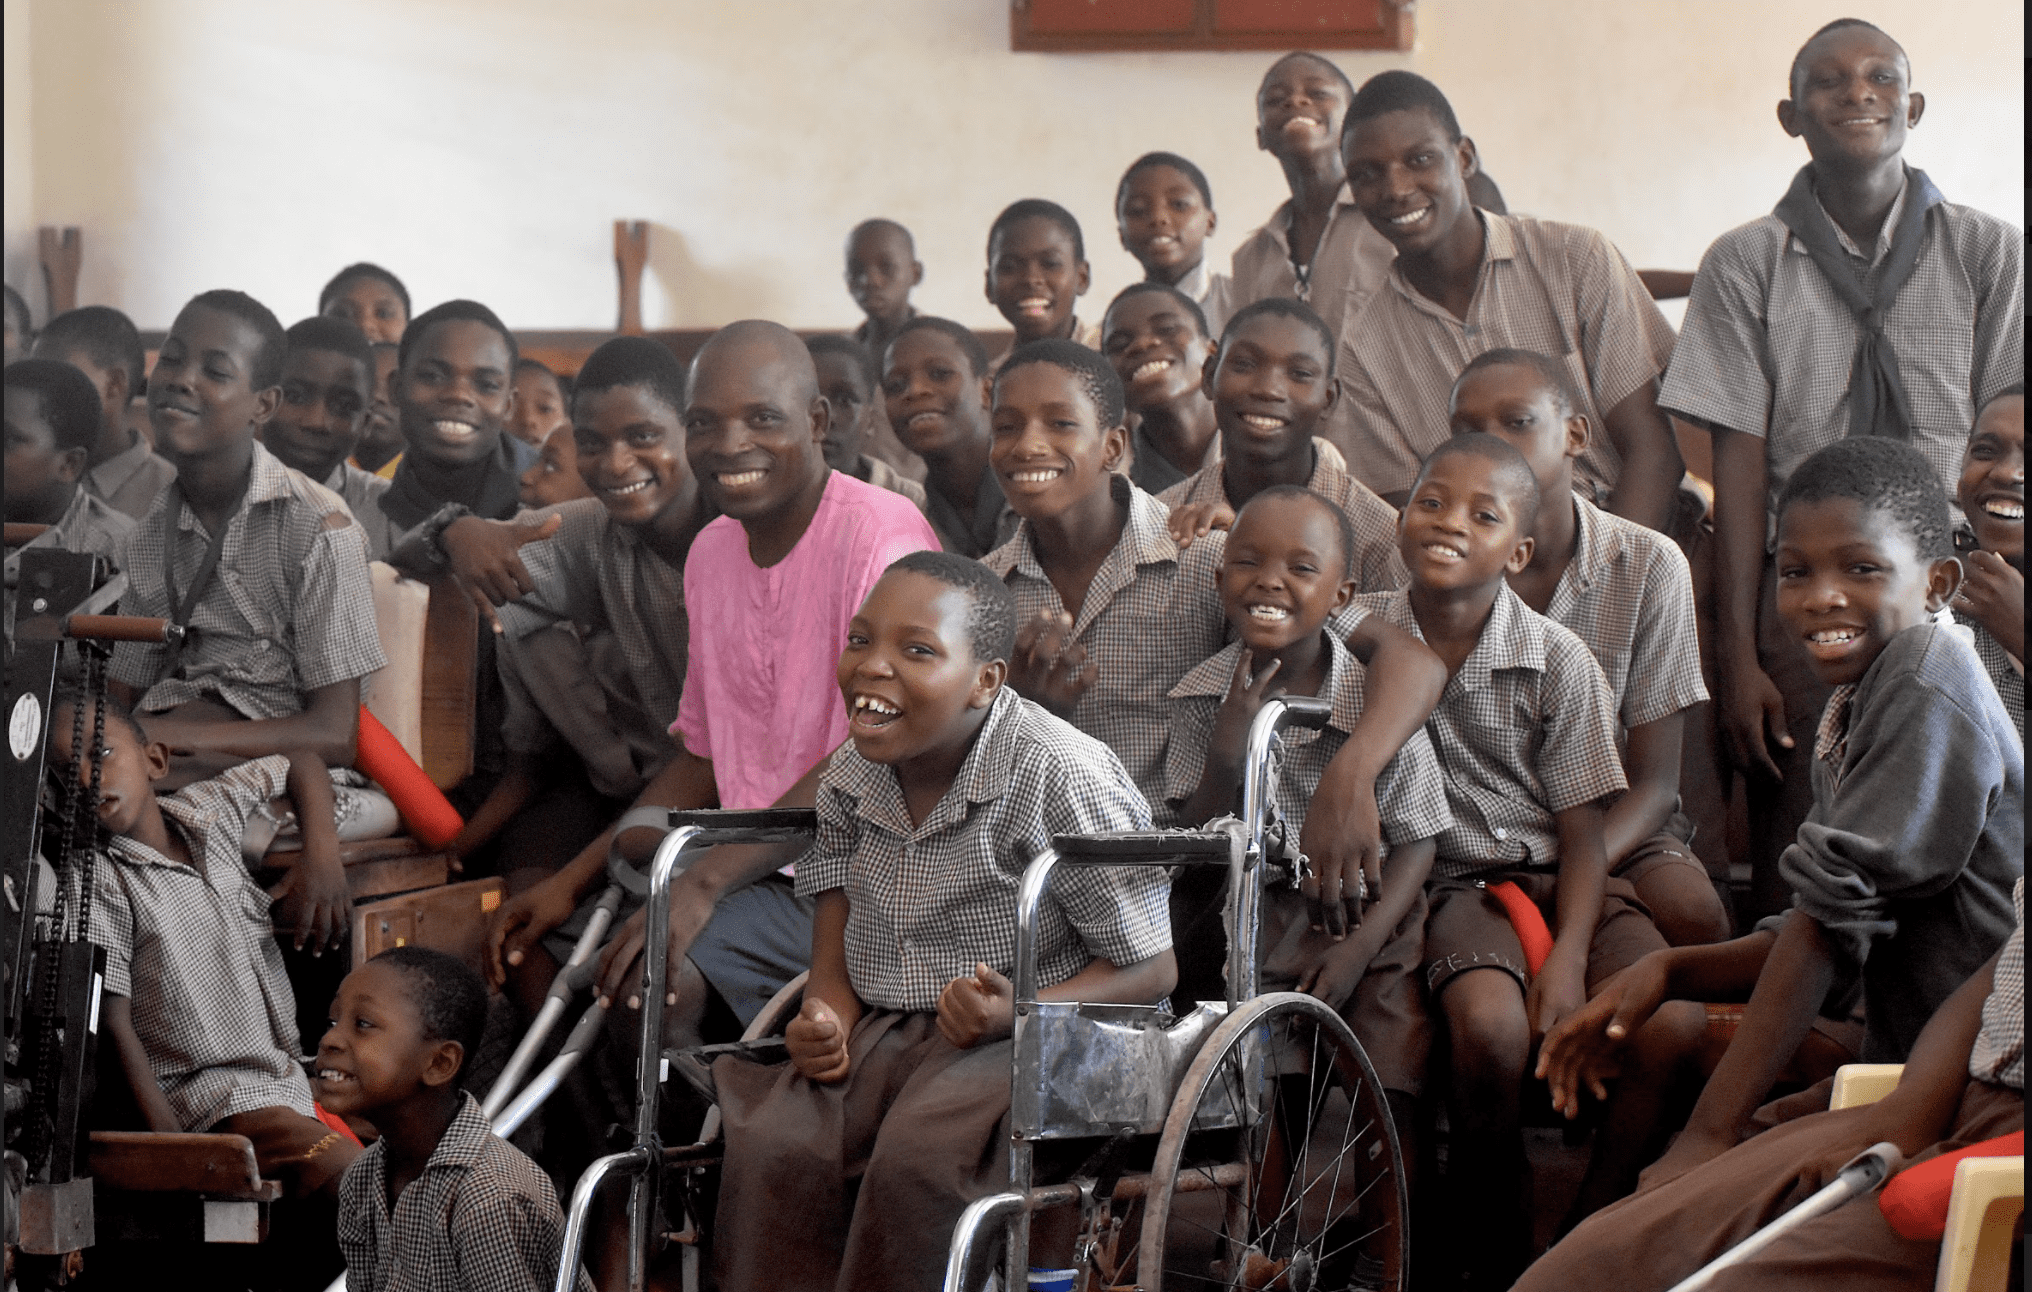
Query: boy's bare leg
[1684,905]
[1491,1043]
[1641,1109]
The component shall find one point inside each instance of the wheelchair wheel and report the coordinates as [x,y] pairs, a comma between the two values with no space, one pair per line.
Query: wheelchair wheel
[1279,1166]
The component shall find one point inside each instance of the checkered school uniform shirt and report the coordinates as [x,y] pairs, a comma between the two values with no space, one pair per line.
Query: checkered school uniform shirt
[1831,737]
[1628,594]
[196,955]
[602,575]
[932,900]
[1524,730]
[87,525]
[1767,346]
[1559,289]
[2009,677]
[362,491]
[130,479]
[1410,794]
[291,609]
[1378,566]
[480,1217]
[1151,615]
[1998,1055]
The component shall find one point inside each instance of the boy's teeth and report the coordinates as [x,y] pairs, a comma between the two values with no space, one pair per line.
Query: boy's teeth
[2005,510]
[739,478]
[1035,477]
[332,1074]
[1034,304]
[1271,614]
[923,419]
[1262,423]
[1145,371]
[1413,218]
[455,430]
[1830,636]
[1446,549]
[637,487]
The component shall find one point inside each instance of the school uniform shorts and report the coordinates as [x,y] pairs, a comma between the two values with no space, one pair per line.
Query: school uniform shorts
[1387,1011]
[1469,929]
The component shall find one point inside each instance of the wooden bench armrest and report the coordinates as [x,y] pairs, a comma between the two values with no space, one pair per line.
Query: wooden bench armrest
[219,1166]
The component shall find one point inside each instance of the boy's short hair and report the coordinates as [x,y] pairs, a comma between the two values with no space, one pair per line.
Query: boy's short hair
[335,336]
[102,334]
[959,333]
[1400,91]
[991,615]
[1151,161]
[1095,374]
[1509,464]
[1798,69]
[1344,528]
[69,400]
[450,998]
[2016,388]
[1037,208]
[363,270]
[634,361]
[267,366]
[883,222]
[1551,371]
[454,311]
[70,693]
[1884,475]
[17,310]
[1191,306]
[850,349]
[1284,307]
[1346,83]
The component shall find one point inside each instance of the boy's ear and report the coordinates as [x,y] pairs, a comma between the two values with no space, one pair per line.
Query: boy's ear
[1470,156]
[1212,222]
[988,393]
[1333,396]
[1521,556]
[988,284]
[1788,118]
[988,683]
[442,1067]
[1114,447]
[70,465]
[265,403]
[917,273]
[114,394]
[1578,433]
[1943,580]
[155,755]
[1915,108]
[821,418]
[1086,278]
[1208,369]
[1343,594]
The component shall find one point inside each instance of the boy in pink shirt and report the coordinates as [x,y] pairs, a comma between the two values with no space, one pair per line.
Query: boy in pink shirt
[770,585]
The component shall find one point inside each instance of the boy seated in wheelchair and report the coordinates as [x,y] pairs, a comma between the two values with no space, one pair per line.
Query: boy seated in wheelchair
[889,1118]
[1287,569]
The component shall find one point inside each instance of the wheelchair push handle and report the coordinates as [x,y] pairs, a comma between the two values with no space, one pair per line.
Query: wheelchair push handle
[1308,711]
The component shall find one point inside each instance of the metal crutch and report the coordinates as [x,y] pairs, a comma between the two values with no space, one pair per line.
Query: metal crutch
[1863,1173]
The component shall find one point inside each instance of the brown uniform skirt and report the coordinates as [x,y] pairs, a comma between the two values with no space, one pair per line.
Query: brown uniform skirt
[1387,1011]
[1655,1239]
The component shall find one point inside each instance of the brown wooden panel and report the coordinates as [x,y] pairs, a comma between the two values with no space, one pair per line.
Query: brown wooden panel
[452,919]
[1113,16]
[1322,17]
[1075,26]
[375,867]
[450,685]
[221,1166]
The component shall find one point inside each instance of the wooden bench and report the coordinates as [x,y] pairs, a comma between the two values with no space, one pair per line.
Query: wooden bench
[203,1188]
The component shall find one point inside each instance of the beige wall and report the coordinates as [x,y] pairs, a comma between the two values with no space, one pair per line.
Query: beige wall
[482,147]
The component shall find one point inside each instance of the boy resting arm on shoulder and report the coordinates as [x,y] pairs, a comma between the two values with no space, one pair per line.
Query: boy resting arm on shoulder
[899,1079]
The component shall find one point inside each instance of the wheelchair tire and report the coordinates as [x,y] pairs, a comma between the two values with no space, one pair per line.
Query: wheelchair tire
[1311,1193]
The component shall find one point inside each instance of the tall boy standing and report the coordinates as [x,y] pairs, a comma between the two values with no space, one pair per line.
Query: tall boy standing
[1777,361]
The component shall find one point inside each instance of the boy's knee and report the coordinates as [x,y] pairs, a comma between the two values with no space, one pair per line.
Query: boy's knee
[1671,1037]
[1485,1020]
[1684,905]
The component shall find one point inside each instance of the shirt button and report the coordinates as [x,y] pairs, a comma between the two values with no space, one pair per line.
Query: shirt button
[1501,833]
[261,645]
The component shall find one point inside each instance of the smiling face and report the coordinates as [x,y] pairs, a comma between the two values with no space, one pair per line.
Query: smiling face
[40,476]
[881,270]
[908,674]
[554,476]
[1283,573]
[1157,349]
[381,434]
[844,383]
[1409,179]
[1163,222]
[630,450]
[1849,580]
[376,1053]
[1513,402]
[370,305]
[539,406]
[457,392]
[1270,387]
[1465,526]
[201,396]
[935,400]
[1034,277]
[324,406]
[1050,452]
[1853,102]
[1992,488]
[1299,108]
[129,768]
[755,424]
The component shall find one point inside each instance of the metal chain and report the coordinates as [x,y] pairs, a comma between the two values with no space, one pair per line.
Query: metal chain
[83,866]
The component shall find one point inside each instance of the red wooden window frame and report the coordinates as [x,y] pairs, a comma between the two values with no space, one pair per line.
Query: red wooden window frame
[1072,26]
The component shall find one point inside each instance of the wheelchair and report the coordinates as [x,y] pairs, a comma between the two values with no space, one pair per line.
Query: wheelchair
[1246,1144]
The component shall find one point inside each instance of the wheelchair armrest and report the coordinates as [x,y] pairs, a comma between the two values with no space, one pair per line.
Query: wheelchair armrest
[786,820]
[1145,848]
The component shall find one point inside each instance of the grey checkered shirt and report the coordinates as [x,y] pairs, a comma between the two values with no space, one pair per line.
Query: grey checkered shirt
[291,609]
[362,492]
[602,575]
[1560,289]
[196,955]
[1152,613]
[481,1218]
[1998,1055]
[1766,347]
[1524,730]
[87,525]
[2010,678]
[932,900]
[1628,594]
[1410,794]
[1378,566]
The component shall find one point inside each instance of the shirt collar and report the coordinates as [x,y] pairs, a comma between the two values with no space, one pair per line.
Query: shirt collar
[193,823]
[1885,231]
[120,468]
[267,480]
[1596,545]
[1514,637]
[464,1140]
[1145,540]
[1342,688]
[1499,243]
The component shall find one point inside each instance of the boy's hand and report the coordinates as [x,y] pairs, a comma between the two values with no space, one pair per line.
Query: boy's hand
[1343,837]
[1752,712]
[1190,520]
[1229,743]
[485,555]
[977,1009]
[817,1043]
[1585,1047]
[1994,592]
[1559,989]
[313,902]
[1335,975]
[522,922]
[1049,667]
